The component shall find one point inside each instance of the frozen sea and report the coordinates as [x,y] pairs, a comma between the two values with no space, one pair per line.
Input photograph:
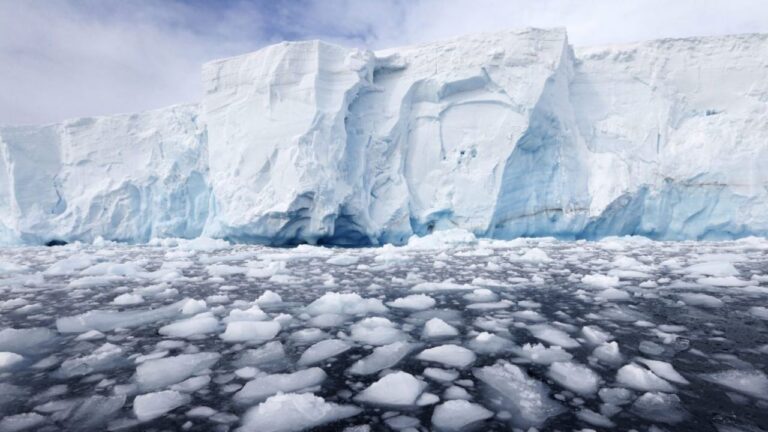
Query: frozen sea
[447,333]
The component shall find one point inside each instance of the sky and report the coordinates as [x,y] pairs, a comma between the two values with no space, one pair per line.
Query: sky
[62,59]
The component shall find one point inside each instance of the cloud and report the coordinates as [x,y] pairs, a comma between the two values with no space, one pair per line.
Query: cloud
[69,58]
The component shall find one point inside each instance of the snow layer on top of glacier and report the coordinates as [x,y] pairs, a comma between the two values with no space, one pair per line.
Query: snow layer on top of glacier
[502,134]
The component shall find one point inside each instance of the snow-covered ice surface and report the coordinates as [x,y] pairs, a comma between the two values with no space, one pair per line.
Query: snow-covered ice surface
[239,337]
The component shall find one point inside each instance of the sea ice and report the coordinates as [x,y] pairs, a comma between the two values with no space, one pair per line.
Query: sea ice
[659,407]
[449,355]
[749,382]
[701,300]
[349,304]
[152,405]
[381,358]
[638,378]
[575,377]
[376,331]
[294,412]
[199,324]
[9,359]
[398,389]
[511,389]
[542,355]
[323,350]
[265,386]
[251,331]
[551,335]
[458,415]
[437,328]
[413,302]
[160,373]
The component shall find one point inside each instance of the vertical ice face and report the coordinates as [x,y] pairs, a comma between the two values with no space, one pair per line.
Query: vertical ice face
[441,122]
[277,139]
[677,133]
[128,177]
[505,134]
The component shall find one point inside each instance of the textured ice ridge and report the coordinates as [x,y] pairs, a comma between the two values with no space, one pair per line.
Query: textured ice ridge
[504,135]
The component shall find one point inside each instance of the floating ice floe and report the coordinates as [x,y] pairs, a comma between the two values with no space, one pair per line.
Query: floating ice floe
[103,320]
[437,328]
[449,355]
[413,302]
[160,373]
[659,407]
[152,405]
[527,400]
[639,378]
[323,350]
[349,304]
[26,341]
[575,377]
[294,412]
[381,358]
[199,324]
[749,382]
[552,335]
[376,331]
[107,356]
[8,360]
[701,300]
[251,331]
[458,415]
[398,389]
[540,354]
[265,386]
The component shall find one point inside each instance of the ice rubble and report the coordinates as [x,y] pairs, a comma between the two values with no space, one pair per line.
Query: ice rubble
[503,134]
[294,412]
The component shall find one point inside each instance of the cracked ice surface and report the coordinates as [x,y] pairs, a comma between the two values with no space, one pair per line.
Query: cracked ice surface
[440,334]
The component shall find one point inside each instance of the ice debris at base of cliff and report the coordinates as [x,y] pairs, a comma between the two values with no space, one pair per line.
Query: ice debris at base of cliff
[505,134]
[253,338]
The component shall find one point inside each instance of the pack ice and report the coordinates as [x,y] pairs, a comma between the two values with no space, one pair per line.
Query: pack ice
[504,135]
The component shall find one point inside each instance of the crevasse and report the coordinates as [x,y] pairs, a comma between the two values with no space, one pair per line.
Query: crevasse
[506,134]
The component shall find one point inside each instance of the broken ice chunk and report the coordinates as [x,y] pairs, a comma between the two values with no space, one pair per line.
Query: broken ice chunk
[398,389]
[349,304]
[542,355]
[294,412]
[8,360]
[458,415]
[437,328]
[664,370]
[450,355]
[105,320]
[107,356]
[511,389]
[197,325]
[553,336]
[159,373]
[381,358]
[152,405]
[251,331]
[749,382]
[638,378]
[660,407]
[262,387]
[376,331]
[323,350]
[575,377]
[413,302]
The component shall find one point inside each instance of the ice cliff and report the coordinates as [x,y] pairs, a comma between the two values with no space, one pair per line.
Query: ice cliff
[505,135]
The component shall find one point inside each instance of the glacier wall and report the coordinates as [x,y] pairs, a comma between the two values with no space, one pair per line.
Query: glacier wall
[508,134]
